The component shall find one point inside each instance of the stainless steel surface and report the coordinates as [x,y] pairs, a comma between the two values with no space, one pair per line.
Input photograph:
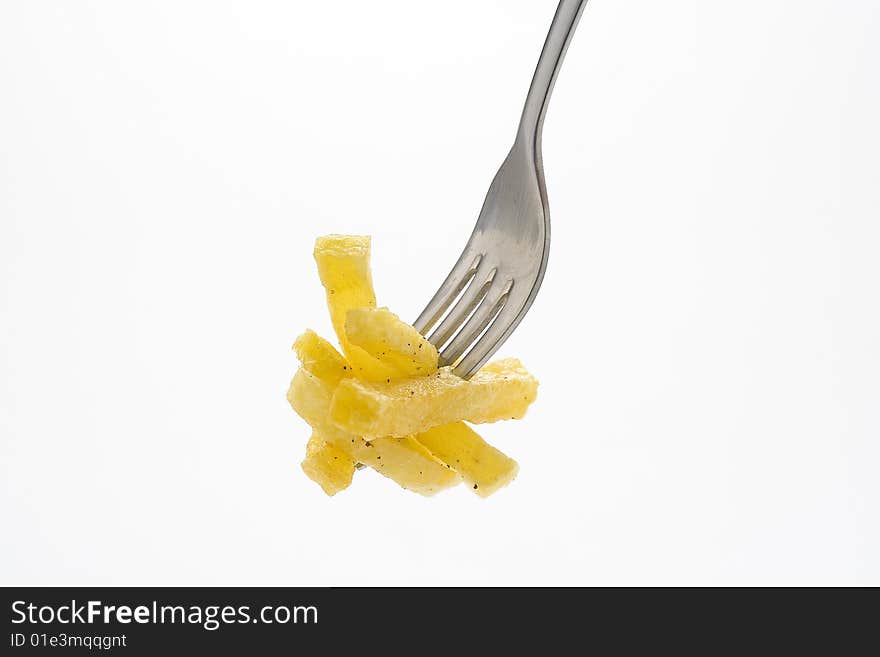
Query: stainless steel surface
[501,268]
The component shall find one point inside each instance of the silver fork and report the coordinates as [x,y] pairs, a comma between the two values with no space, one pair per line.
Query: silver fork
[501,268]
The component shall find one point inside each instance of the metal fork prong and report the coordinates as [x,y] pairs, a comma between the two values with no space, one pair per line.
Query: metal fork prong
[480,285]
[455,282]
[490,306]
[502,326]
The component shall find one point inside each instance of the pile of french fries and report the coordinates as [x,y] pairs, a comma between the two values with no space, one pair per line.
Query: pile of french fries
[384,403]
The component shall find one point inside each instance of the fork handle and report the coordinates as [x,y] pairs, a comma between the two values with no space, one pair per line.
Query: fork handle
[561,30]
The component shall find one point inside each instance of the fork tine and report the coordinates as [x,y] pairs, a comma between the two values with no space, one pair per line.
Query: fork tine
[476,324]
[460,275]
[502,326]
[478,288]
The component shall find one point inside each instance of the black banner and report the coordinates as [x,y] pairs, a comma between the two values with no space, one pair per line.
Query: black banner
[151,621]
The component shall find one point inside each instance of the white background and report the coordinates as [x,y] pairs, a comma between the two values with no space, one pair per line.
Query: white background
[706,337]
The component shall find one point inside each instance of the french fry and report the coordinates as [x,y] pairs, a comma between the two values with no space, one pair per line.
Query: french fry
[389,339]
[483,468]
[321,358]
[500,391]
[327,465]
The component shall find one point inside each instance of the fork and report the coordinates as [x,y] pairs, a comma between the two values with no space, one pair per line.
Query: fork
[497,276]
